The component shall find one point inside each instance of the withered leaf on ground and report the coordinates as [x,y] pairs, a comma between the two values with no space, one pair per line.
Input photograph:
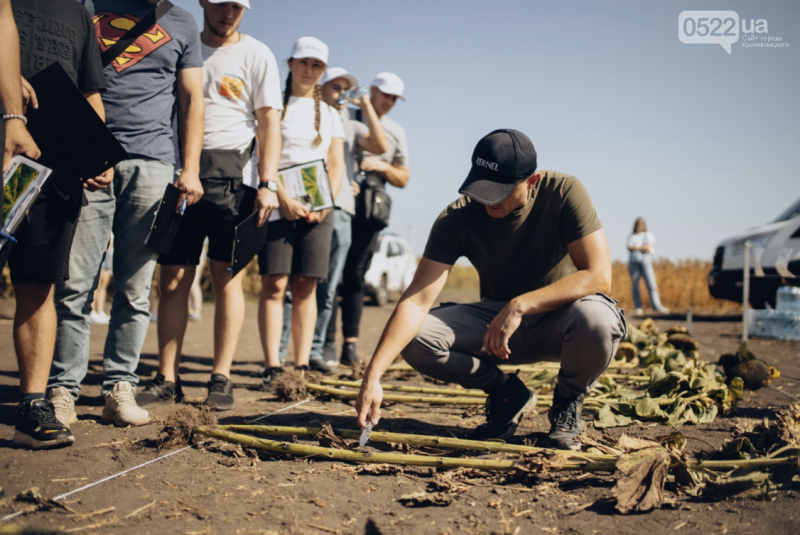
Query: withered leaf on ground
[542,463]
[627,443]
[328,439]
[380,469]
[643,489]
[742,484]
[422,499]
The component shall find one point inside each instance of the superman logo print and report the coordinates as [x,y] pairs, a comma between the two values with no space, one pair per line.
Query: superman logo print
[111,27]
[231,87]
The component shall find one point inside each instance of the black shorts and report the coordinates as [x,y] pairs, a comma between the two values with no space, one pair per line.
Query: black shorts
[225,203]
[297,248]
[44,238]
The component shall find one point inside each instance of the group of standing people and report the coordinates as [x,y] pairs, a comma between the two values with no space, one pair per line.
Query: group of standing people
[533,236]
[236,129]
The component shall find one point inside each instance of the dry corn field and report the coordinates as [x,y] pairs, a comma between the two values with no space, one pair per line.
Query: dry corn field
[681,284]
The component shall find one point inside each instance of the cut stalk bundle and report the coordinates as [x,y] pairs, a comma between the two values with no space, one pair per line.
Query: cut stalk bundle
[414,440]
[400,398]
[412,389]
[609,465]
[388,458]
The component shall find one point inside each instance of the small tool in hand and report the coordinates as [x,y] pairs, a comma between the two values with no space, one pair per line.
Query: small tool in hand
[184,204]
[365,434]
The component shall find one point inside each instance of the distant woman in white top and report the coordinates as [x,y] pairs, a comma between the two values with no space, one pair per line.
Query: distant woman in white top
[297,249]
[640,265]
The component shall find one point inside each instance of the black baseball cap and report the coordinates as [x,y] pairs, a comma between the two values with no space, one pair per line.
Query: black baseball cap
[500,161]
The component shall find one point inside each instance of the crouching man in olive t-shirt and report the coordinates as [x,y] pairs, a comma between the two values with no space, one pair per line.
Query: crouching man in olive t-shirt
[544,268]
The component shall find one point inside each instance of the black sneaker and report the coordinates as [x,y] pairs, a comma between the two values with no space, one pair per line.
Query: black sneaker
[319,365]
[160,392]
[220,393]
[565,421]
[349,354]
[38,427]
[268,379]
[505,407]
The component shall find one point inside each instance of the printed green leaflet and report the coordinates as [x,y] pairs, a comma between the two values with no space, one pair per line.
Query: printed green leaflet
[23,177]
[309,175]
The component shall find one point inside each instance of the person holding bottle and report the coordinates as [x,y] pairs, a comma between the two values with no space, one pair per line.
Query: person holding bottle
[296,253]
[640,265]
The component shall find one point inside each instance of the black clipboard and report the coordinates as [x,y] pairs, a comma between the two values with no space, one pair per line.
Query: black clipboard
[248,239]
[72,137]
[166,222]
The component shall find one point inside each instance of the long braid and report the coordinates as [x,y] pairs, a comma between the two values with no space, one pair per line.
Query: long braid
[317,100]
[287,92]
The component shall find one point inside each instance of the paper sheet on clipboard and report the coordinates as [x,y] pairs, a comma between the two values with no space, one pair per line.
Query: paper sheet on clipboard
[22,183]
[308,183]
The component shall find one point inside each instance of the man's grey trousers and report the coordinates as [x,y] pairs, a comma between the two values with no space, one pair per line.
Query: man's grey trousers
[584,336]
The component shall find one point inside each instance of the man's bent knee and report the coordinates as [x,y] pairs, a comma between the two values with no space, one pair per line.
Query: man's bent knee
[596,318]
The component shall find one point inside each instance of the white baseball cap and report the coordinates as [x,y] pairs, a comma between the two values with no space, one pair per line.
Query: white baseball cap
[389,83]
[245,3]
[337,72]
[310,47]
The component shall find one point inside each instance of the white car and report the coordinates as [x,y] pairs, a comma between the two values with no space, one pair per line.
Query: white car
[392,269]
[774,260]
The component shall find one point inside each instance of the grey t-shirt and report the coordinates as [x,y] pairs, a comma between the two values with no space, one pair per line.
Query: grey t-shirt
[397,153]
[140,96]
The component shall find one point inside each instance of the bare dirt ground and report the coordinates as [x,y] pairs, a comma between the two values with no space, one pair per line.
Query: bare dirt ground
[198,492]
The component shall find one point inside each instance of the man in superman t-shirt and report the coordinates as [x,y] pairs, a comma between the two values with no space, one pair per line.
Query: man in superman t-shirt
[162,68]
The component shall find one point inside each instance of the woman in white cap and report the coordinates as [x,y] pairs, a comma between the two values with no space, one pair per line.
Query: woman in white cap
[295,255]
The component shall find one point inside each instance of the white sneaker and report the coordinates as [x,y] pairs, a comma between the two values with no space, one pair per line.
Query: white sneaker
[64,405]
[639,312]
[662,310]
[153,317]
[121,406]
[195,316]
[99,318]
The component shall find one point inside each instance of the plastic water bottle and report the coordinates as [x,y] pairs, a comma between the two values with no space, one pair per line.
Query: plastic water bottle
[352,94]
[788,299]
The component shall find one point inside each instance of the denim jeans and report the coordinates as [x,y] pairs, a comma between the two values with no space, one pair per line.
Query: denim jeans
[127,207]
[326,290]
[640,265]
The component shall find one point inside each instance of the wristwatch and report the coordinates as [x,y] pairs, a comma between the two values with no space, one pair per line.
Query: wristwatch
[269,184]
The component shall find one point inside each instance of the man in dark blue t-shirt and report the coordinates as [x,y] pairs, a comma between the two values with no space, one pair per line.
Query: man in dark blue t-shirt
[49,31]
[161,69]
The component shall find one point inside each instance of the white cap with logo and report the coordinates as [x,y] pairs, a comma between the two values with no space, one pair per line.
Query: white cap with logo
[245,3]
[310,47]
[389,83]
[337,72]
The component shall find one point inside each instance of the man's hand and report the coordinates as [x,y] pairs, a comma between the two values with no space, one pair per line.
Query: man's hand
[360,101]
[368,404]
[372,163]
[495,341]
[18,141]
[293,210]
[100,182]
[317,217]
[191,188]
[266,203]
[28,96]
[356,188]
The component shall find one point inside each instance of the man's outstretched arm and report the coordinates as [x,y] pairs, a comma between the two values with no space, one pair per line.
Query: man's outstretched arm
[591,256]
[405,323]
[191,125]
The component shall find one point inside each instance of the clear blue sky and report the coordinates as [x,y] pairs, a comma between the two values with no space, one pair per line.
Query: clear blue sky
[701,143]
